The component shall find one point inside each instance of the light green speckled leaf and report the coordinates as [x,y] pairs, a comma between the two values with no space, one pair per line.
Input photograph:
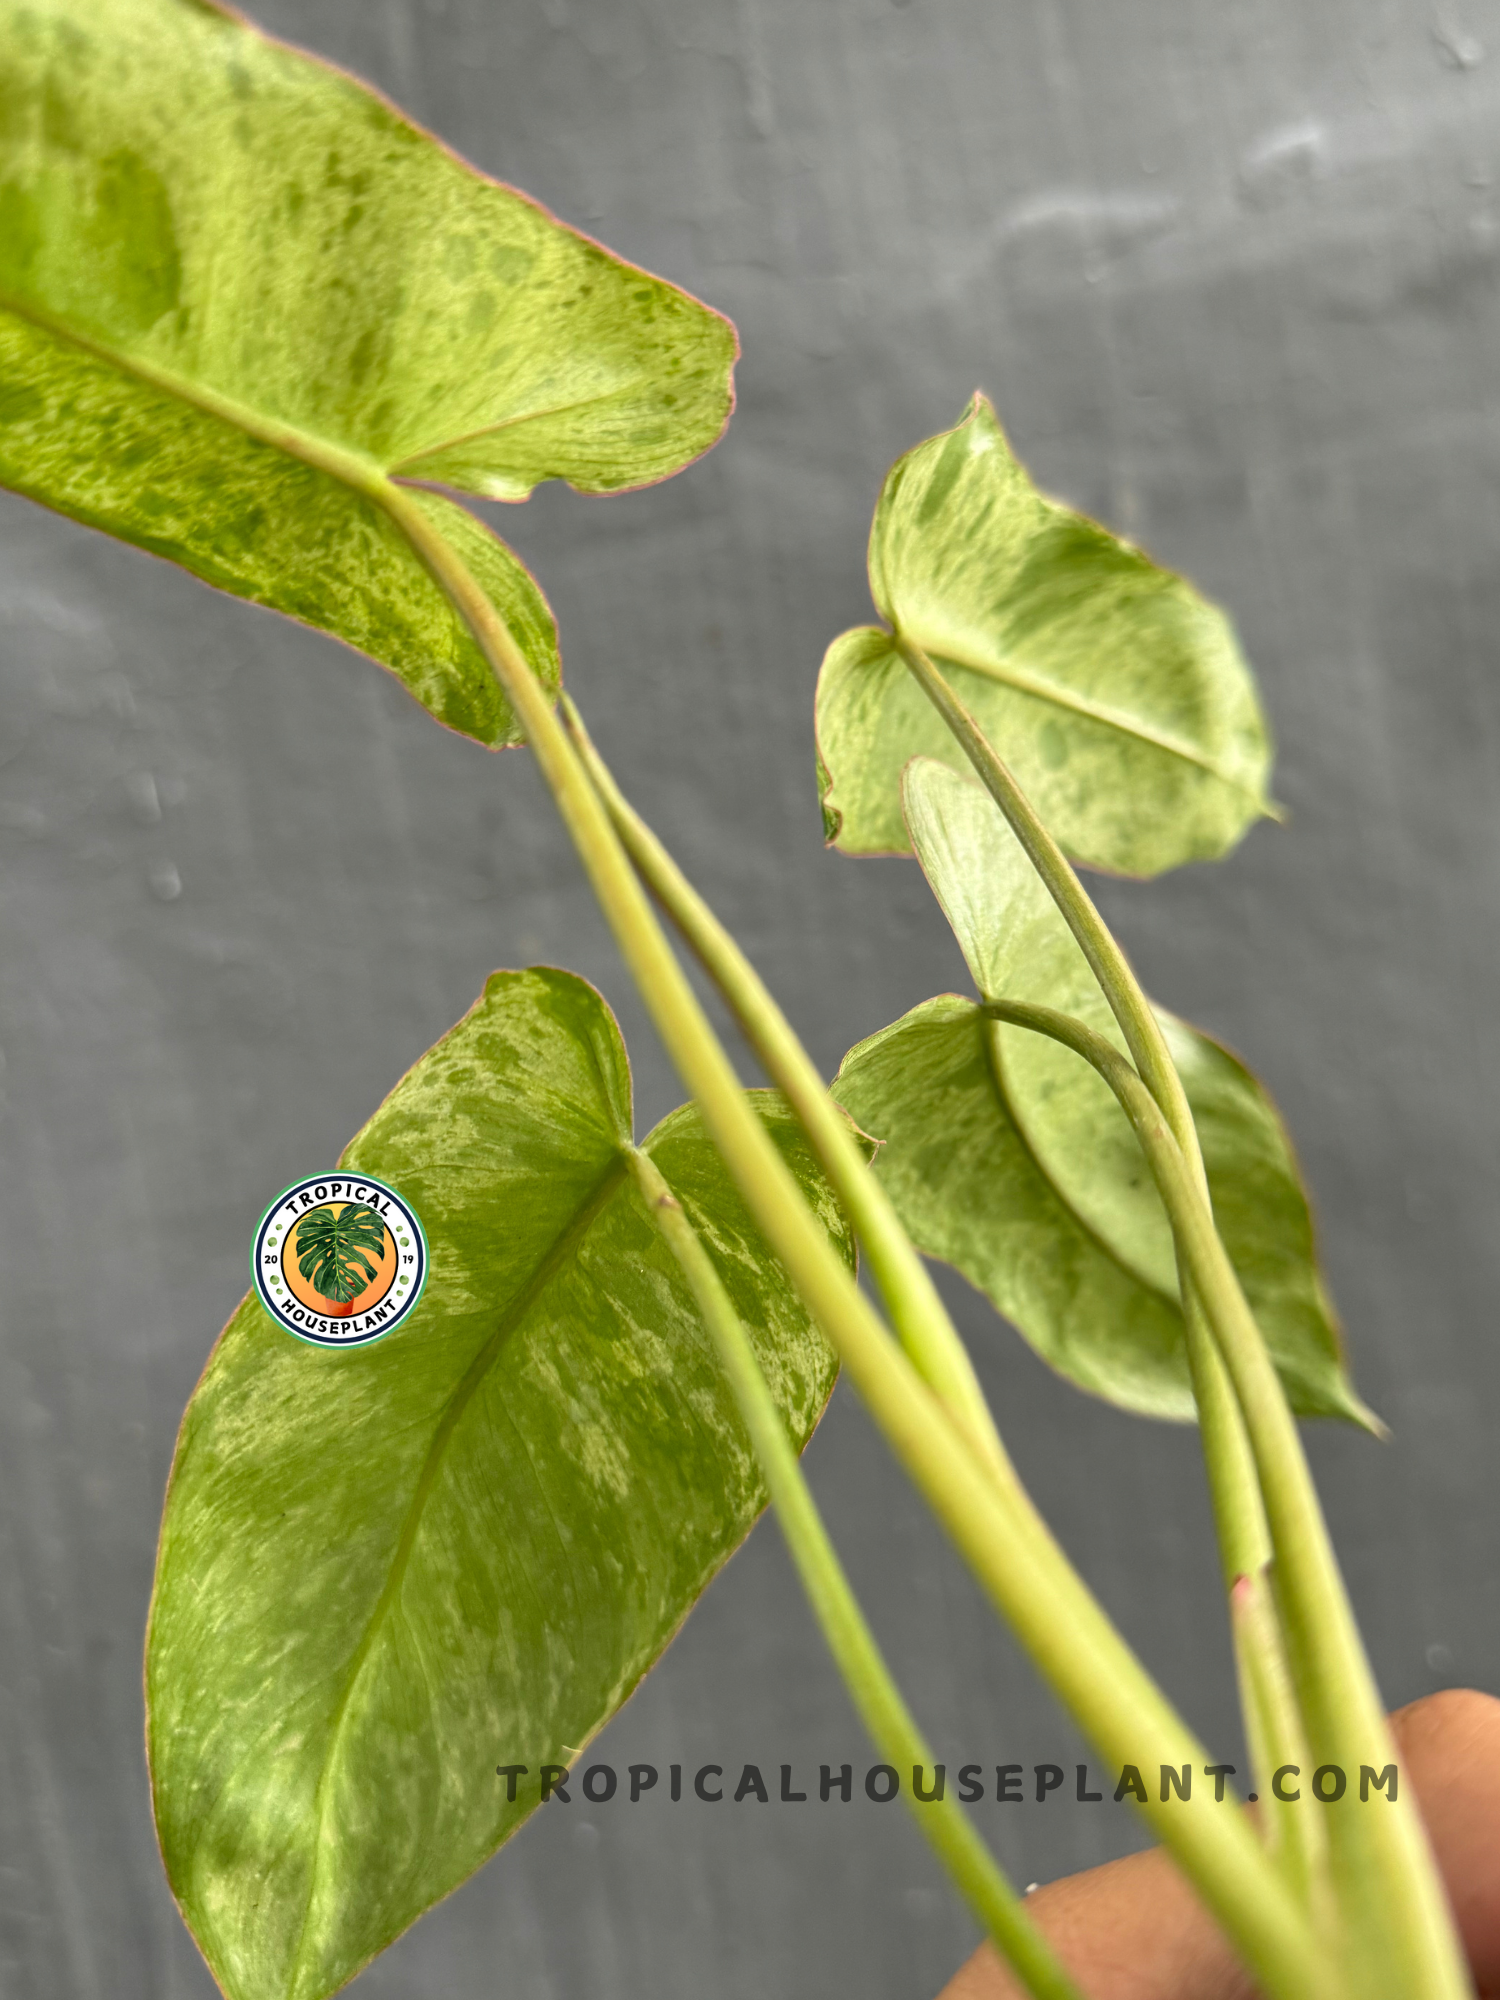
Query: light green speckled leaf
[385,1571]
[1039,1108]
[968,1191]
[237,287]
[1115,692]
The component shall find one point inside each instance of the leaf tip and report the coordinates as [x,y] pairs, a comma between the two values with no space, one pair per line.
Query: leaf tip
[1360,1413]
[982,422]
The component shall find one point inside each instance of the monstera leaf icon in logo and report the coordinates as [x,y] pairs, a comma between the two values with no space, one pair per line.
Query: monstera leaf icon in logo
[339,1260]
[330,1253]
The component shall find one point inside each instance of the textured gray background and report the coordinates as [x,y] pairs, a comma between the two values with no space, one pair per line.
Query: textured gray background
[1231,273]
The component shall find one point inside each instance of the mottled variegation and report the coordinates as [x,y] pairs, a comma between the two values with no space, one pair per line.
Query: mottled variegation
[1009,1156]
[238,290]
[385,1572]
[1115,692]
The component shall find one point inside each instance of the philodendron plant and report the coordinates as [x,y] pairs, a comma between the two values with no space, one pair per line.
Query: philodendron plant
[256,322]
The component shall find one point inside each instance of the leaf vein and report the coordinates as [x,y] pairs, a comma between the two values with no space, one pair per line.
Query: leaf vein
[557,1255]
[1007,674]
[354,469]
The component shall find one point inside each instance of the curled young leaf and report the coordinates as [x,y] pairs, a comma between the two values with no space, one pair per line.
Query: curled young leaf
[1115,692]
[967,1190]
[384,1572]
[238,290]
[1010,1157]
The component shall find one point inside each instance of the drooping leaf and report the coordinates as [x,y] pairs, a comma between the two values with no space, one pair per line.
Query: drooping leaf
[237,288]
[1009,1156]
[968,1191]
[1116,693]
[384,1573]
[331,1243]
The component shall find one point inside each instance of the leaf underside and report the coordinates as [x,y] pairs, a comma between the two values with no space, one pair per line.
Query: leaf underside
[383,1573]
[236,285]
[1116,693]
[1007,1156]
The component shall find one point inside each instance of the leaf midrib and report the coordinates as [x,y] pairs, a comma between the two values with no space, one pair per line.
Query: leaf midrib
[410,467]
[1004,670]
[352,468]
[562,1247]
[356,469]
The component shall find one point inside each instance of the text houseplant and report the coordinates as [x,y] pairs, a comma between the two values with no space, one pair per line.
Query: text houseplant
[273,371]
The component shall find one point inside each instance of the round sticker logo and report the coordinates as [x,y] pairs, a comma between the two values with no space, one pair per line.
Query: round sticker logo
[339,1260]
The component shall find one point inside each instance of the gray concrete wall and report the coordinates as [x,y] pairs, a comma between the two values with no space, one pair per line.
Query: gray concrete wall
[1231,273]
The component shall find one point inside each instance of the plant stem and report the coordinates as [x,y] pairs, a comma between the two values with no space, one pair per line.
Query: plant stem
[892,1727]
[917,1313]
[1268,1702]
[903,1278]
[1239,1513]
[1267,1698]
[995,1528]
[1294,1839]
[1396,1928]
[1244,1544]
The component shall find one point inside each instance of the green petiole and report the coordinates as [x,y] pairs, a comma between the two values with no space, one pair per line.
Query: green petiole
[994,1526]
[1395,1932]
[891,1725]
[917,1313]
[1267,1685]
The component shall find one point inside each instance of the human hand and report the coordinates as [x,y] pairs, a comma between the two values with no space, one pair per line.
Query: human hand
[1134,1930]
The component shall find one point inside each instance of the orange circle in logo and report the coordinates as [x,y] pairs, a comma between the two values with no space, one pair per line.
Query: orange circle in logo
[386,1266]
[349,1229]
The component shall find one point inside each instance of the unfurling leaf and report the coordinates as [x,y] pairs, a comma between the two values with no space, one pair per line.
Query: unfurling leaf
[1115,692]
[386,1571]
[1008,1156]
[238,290]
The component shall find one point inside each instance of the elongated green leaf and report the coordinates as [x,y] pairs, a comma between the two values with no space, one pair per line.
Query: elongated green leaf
[237,289]
[385,1572]
[1114,691]
[1045,1201]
